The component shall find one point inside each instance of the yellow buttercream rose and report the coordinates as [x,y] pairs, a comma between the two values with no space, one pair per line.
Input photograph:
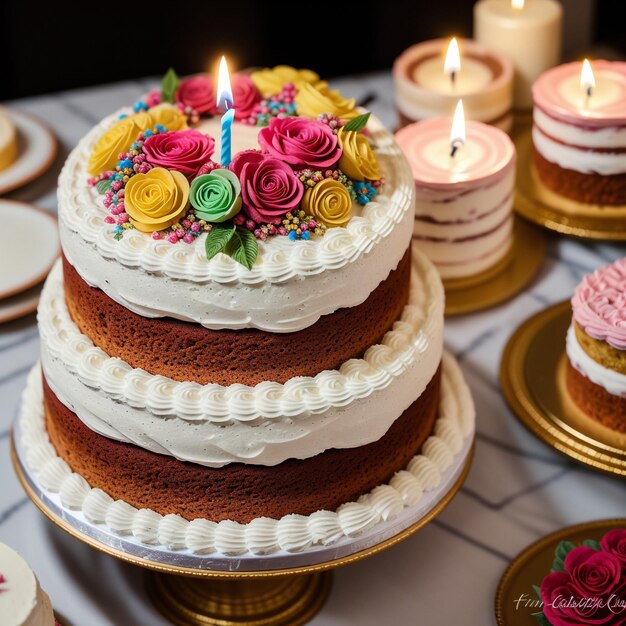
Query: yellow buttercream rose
[329,201]
[358,160]
[156,200]
[169,116]
[118,138]
[313,101]
[271,80]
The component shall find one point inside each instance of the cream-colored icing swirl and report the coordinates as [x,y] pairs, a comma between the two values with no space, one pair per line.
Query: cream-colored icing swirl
[267,423]
[293,533]
[289,287]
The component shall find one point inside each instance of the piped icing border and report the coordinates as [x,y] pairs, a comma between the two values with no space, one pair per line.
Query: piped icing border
[81,211]
[599,304]
[292,533]
[268,423]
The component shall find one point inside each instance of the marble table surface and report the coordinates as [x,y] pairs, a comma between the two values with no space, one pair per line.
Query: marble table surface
[518,488]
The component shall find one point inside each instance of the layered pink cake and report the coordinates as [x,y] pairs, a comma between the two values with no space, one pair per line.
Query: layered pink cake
[579,133]
[596,346]
[463,204]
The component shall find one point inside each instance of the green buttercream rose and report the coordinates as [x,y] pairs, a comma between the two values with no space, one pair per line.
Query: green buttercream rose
[216,196]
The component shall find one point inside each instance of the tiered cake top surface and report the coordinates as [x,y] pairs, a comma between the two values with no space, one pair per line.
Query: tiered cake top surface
[300,225]
[599,304]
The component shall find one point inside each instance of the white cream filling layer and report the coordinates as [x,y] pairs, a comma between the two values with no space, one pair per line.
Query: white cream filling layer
[267,423]
[291,285]
[292,533]
[584,161]
[614,382]
[577,136]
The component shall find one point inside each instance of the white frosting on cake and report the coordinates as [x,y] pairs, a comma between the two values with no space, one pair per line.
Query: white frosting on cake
[267,423]
[22,600]
[578,159]
[614,382]
[289,287]
[293,533]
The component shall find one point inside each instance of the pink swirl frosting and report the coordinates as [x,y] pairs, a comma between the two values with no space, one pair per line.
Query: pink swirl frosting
[183,150]
[599,304]
[301,142]
[269,187]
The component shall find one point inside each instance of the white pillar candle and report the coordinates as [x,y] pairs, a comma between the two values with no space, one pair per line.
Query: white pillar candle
[424,86]
[529,33]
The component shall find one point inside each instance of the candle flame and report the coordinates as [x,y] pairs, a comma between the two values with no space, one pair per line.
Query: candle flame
[452,63]
[517,4]
[224,91]
[587,79]
[457,131]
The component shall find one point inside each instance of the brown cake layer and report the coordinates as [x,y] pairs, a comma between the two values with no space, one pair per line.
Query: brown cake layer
[585,188]
[600,351]
[237,491]
[596,401]
[186,351]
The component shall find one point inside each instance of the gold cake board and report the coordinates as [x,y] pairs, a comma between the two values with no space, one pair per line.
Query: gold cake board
[515,600]
[502,281]
[532,373]
[202,597]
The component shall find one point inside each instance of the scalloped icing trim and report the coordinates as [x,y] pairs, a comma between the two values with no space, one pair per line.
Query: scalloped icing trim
[356,379]
[81,211]
[292,533]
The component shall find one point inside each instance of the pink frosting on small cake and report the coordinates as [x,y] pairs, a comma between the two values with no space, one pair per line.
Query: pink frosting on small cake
[599,304]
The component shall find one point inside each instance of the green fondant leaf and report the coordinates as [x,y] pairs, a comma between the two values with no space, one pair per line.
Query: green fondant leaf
[358,123]
[593,544]
[541,618]
[169,84]
[103,186]
[559,555]
[243,248]
[218,237]
[537,590]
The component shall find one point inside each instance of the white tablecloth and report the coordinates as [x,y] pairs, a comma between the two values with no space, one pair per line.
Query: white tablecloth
[517,491]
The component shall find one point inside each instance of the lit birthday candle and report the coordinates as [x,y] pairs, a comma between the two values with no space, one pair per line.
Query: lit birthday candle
[464,176]
[225,103]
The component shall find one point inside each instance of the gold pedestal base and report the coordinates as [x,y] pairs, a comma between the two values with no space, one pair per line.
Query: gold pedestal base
[273,601]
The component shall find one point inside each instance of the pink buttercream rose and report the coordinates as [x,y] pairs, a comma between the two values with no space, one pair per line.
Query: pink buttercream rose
[198,93]
[245,96]
[614,542]
[182,150]
[301,142]
[269,187]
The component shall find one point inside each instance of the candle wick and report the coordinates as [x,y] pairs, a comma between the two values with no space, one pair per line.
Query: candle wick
[453,77]
[456,144]
[589,90]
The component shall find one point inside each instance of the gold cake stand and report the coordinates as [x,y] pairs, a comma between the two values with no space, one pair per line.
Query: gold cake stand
[502,281]
[515,598]
[187,596]
[540,205]
[532,376]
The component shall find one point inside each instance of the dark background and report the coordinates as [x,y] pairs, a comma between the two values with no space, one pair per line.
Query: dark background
[52,46]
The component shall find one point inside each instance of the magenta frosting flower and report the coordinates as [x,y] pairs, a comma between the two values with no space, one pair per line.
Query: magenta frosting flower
[245,96]
[198,93]
[301,142]
[182,150]
[593,572]
[269,187]
[614,542]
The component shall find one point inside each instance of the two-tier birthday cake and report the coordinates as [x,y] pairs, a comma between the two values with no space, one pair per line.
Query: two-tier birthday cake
[240,354]
[596,346]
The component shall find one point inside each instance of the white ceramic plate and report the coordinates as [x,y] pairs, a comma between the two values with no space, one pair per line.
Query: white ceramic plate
[37,147]
[29,246]
[20,305]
